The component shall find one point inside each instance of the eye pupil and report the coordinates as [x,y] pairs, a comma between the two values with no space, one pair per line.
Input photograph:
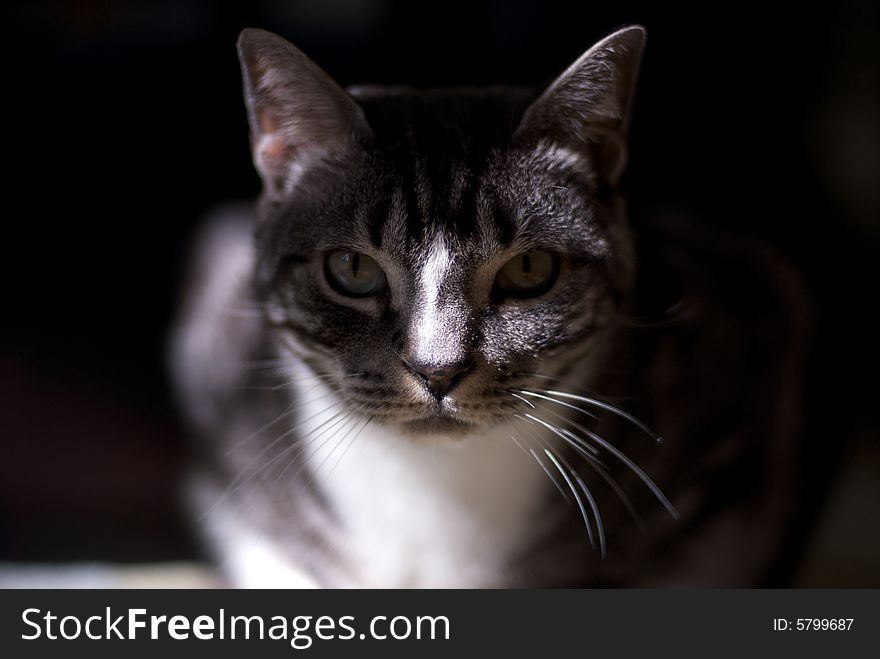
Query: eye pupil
[527,275]
[353,274]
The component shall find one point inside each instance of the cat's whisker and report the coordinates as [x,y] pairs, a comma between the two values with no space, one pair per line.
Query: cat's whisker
[534,455]
[517,442]
[321,430]
[291,431]
[247,473]
[328,379]
[540,462]
[600,528]
[286,413]
[551,477]
[593,461]
[576,442]
[291,409]
[574,383]
[527,402]
[559,402]
[348,425]
[600,469]
[573,440]
[347,448]
[605,406]
[557,459]
[578,445]
[626,460]
[577,498]
[348,428]
[312,438]
[289,342]
[289,383]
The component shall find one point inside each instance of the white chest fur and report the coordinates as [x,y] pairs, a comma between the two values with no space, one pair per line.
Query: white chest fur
[431,513]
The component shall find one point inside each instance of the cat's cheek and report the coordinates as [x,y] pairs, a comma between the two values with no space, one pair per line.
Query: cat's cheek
[519,330]
[276,314]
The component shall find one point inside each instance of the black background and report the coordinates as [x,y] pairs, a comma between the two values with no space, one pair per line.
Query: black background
[123,126]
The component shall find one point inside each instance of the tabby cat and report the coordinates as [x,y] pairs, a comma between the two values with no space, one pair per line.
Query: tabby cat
[436,354]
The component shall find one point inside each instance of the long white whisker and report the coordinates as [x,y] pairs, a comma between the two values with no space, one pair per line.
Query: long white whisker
[599,526]
[350,444]
[345,435]
[610,408]
[566,436]
[325,427]
[577,442]
[521,447]
[348,415]
[602,469]
[559,402]
[248,472]
[540,462]
[638,471]
[298,446]
[599,468]
[577,497]
[550,476]
[527,402]
[317,469]
[287,412]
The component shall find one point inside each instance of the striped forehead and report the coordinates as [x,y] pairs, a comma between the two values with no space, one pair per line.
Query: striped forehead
[425,198]
[479,203]
[426,208]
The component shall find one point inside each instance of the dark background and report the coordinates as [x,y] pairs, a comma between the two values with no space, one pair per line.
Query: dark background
[123,126]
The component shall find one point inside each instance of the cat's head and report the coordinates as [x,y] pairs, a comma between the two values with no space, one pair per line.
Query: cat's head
[429,254]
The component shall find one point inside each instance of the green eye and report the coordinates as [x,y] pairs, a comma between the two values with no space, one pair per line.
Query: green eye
[354,274]
[527,275]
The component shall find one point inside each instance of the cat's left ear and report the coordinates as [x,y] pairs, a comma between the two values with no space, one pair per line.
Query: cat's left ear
[587,107]
[297,113]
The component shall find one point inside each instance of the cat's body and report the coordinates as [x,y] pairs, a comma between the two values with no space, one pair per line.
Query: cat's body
[425,428]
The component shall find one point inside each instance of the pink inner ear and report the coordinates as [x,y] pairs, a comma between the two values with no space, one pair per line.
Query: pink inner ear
[266,122]
[272,148]
[274,153]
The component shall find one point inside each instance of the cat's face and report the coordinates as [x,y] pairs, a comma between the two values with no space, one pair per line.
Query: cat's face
[428,255]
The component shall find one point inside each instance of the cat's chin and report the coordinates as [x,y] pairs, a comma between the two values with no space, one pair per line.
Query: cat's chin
[437,425]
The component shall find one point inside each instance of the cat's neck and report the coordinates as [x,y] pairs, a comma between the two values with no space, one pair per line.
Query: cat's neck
[422,512]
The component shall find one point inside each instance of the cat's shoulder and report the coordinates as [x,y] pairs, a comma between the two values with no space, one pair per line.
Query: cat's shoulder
[708,274]
[218,327]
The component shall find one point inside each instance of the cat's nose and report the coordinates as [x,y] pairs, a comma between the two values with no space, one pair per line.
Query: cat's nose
[440,379]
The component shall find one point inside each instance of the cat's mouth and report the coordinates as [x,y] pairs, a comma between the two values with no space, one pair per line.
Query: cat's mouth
[437,424]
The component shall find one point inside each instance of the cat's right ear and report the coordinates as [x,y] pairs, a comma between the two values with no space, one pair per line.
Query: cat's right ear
[587,107]
[297,113]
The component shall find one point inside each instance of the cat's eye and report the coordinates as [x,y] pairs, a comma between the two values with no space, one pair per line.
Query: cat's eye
[354,274]
[527,275]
